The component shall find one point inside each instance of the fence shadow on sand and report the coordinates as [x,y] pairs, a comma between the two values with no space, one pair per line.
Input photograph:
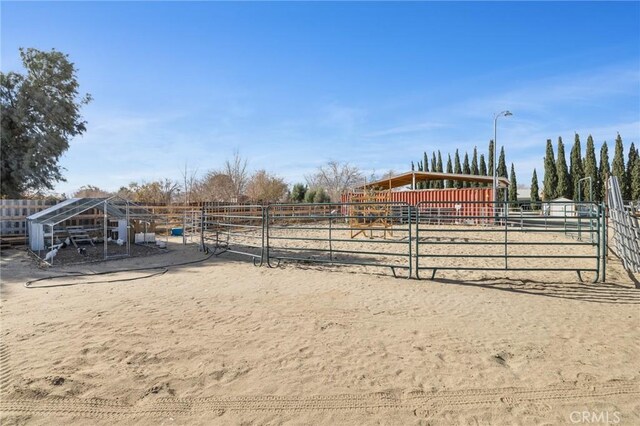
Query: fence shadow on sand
[611,293]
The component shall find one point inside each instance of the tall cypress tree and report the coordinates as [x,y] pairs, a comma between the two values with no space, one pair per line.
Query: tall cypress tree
[466,169]
[449,170]
[502,171]
[513,187]
[564,180]
[457,169]
[474,166]
[576,170]
[535,191]
[419,184]
[635,179]
[631,161]
[591,170]
[425,168]
[550,185]
[502,164]
[490,159]
[483,168]
[433,183]
[618,169]
[439,170]
[604,171]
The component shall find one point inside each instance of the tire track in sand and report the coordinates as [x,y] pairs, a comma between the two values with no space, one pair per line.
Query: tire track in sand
[5,377]
[421,403]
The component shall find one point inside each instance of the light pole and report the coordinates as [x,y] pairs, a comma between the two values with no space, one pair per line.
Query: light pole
[495,149]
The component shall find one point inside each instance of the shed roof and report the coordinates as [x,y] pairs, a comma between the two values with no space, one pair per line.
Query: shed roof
[408,178]
[116,207]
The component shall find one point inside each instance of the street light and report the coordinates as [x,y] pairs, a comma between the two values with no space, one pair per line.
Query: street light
[495,149]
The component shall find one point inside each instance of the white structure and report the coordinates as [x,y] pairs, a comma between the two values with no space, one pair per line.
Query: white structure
[46,224]
[560,207]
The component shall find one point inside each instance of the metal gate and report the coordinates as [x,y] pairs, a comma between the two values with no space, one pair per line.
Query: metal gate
[476,236]
[238,229]
[365,234]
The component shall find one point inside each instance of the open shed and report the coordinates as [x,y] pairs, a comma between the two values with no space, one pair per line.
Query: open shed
[411,178]
[83,221]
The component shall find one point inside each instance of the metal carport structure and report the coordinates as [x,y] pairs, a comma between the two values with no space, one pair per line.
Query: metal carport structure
[113,208]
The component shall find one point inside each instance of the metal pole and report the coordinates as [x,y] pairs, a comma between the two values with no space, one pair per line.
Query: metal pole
[128,232]
[605,242]
[105,230]
[202,245]
[495,168]
[52,244]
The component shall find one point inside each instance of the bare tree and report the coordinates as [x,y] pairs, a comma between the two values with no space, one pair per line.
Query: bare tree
[190,180]
[157,192]
[236,170]
[266,188]
[335,178]
[215,186]
[90,191]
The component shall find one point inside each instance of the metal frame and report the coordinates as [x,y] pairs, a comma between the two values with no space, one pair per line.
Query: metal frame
[626,229]
[506,224]
[319,219]
[112,207]
[237,223]
[272,234]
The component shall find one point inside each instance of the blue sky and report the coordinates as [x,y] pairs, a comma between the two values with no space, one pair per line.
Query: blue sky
[292,85]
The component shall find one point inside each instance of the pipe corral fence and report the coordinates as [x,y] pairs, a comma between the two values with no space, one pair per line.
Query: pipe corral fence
[409,240]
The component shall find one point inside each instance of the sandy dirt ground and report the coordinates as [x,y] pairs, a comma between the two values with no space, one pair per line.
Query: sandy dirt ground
[225,342]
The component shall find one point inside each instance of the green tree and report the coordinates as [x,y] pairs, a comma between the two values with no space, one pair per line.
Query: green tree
[501,171]
[591,170]
[419,184]
[457,169]
[474,166]
[618,169]
[502,164]
[466,169]
[490,159]
[550,180]
[40,113]
[576,170]
[604,171]
[483,168]
[321,196]
[425,168]
[449,182]
[635,179]
[298,192]
[513,187]
[434,166]
[310,195]
[631,161]
[564,180]
[535,191]
[440,183]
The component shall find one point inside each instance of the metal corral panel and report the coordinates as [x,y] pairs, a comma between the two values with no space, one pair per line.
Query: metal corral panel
[447,198]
